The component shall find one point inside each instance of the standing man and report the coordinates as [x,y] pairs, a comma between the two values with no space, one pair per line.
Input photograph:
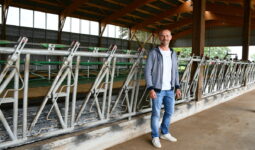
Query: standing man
[162,78]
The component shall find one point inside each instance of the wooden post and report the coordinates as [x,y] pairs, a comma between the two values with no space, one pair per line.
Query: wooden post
[246,29]
[61,22]
[198,40]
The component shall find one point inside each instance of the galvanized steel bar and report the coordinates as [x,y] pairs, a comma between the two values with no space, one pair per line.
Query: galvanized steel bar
[16,98]
[25,95]
[75,90]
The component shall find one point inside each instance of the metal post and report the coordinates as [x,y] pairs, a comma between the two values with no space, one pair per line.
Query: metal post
[68,91]
[25,95]
[75,90]
[111,86]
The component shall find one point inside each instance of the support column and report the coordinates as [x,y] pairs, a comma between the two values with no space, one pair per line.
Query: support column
[129,37]
[5,8]
[102,27]
[61,22]
[198,40]
[246,29]
[198,36]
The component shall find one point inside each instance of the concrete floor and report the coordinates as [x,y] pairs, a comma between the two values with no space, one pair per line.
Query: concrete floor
[228,126]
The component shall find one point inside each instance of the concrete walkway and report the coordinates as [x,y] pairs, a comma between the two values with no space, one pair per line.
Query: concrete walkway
[228,126]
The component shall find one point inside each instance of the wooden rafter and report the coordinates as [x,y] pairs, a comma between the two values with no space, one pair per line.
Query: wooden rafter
[48,3]
[233,10]
[101,15]
[144,11]
[168,3]
[232,1]
[189,31]
[109,9]
[116,3]
[129,8]
[185,7]
[152,6]
[72,7]
[208,17]
[224,11]
[211,23]
[38,8]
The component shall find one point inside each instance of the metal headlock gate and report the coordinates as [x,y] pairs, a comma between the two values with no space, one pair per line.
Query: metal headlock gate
[62,108]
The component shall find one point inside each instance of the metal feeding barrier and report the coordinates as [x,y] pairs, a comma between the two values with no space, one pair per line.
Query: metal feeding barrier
[114,79]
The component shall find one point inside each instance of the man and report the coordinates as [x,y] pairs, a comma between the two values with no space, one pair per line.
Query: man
[162,78]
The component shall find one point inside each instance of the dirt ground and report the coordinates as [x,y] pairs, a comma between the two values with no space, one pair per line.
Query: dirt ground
[228,126]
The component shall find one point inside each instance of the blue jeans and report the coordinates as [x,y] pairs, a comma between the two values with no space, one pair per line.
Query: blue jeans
[167,98]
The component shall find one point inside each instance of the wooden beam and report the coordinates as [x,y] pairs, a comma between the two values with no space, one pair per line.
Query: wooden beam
[5,8]
[216,9]
[198,27]
[109,9]
[241,2]
[68,10]
[231,10]
[185,7]
[72,7]
[198,40]
[152,6]
[129,8]
[230,1]
[64,13]
[116,3]
[246,29]
[168,3]
[38,8]
[211,23]
[208,25]
[178,24]
[208,16]
[61,22]
[48,3]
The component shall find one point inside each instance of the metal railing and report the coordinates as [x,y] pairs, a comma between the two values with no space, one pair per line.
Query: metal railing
[60,112]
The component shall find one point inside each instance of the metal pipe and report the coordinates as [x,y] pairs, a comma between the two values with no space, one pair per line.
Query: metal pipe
[75,90]
[16,98]
[68,92]
[6,50]
[111,86]
[7,127]
[7,80]
[25,95]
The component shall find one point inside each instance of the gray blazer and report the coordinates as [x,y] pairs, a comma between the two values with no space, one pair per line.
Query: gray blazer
[154,70]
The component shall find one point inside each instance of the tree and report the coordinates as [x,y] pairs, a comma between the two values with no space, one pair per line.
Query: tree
[211,52]
[253,57]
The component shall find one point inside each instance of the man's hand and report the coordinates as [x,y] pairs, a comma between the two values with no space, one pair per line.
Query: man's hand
[152,94]
[178,93]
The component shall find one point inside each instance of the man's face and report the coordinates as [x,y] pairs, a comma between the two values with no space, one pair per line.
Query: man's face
[165,37]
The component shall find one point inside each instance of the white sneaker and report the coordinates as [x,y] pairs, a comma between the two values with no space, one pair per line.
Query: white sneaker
[156,142]
[168,137]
